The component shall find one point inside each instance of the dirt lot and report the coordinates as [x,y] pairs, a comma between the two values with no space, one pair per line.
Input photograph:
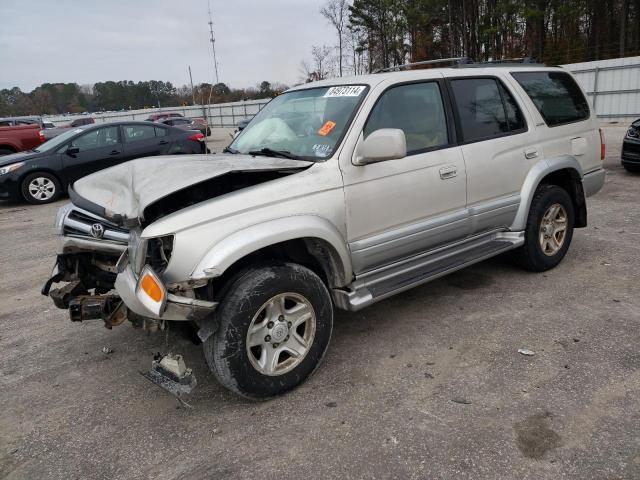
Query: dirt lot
[428,384]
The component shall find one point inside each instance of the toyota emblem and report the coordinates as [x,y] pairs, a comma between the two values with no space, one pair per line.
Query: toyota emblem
[97,230]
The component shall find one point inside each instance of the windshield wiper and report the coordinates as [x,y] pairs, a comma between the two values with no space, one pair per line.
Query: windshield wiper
[229,150]
[268,152]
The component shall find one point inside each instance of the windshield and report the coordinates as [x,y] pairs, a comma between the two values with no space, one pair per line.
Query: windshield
[55,142]
[307,124]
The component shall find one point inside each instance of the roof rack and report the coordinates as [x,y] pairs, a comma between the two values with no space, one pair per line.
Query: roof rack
[461,62]
[454,61]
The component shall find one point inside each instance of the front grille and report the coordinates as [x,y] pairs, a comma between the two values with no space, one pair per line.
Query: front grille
[86,225]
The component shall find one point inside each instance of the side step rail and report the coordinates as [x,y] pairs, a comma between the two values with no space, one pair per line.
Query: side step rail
[383,283]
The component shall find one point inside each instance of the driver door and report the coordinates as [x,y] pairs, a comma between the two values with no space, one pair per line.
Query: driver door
[98,149]
[400,208]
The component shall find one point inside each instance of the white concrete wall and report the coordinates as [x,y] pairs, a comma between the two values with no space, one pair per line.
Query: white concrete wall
[612,86]
[219,115]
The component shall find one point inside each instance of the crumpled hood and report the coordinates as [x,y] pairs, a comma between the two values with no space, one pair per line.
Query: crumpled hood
[122,193]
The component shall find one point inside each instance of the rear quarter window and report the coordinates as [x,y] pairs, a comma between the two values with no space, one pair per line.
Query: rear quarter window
[556,96]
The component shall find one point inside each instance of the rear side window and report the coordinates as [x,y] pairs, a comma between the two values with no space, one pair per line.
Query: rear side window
[416,109]
[485,109]
[161,132]
[556,96]
[135,133]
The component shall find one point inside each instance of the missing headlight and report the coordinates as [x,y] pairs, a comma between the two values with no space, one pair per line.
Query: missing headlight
[159,251]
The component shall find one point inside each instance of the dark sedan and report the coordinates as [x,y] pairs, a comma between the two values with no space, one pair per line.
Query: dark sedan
[43,174]
[631,148]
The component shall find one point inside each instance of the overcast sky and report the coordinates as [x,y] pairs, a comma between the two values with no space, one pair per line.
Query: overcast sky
[91,41]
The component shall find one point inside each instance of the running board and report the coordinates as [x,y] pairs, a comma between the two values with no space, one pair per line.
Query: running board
[384,282]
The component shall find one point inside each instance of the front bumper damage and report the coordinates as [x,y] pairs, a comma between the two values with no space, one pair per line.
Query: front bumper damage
[83,305]
[112,294]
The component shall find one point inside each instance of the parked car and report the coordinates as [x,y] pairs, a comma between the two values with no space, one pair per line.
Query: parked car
[339,193]
[20,137]
[15,121]
[188,124]
[50,133]
[202,125]
[631,148]
[47,125]
[156,117]
[42,174]
[242,124]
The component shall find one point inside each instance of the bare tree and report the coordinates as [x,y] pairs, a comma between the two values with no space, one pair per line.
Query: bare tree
[336,12]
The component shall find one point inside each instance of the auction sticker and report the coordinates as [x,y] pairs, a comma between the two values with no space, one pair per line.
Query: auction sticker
[345,91]
[326,128]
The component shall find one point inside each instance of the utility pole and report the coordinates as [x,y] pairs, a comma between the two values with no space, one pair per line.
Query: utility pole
[193,95]
[213,43]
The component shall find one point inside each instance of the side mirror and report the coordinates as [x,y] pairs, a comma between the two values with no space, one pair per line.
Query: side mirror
[73,151]
[380,145]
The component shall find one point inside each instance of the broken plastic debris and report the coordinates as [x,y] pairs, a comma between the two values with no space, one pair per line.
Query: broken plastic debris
[107,350]
[526,351]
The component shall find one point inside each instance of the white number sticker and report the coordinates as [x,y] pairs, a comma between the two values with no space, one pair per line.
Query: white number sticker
[345,91]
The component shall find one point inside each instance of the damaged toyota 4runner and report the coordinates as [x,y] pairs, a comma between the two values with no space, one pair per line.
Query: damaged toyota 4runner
[339,194]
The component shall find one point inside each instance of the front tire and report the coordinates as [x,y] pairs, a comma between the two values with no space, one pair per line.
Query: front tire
[549,229]
[274,328]
[40,188]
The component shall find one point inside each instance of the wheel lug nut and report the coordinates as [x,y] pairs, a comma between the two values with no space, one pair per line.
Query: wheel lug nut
[270,325]
[267,338]
[281,318]
[289,324]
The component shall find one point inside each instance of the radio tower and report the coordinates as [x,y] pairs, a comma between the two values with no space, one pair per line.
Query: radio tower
[213,43]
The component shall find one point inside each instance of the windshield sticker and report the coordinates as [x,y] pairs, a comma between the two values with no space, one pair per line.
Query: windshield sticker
[345,91]
[322,150]
[326,128]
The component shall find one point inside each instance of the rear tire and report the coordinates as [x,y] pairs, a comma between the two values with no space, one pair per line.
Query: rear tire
[274,327]
[6,151]
[40,188]
[549,229]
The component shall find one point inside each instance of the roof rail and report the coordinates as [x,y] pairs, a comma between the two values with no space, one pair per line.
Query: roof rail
[455,61]
[513,60]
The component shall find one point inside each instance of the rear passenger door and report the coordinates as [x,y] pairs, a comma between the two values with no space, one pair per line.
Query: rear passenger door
[400,208]
[141,141]
[498,146]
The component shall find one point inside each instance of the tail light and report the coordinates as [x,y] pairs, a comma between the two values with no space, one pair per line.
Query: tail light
[197,137]
[41,136]
[603,148]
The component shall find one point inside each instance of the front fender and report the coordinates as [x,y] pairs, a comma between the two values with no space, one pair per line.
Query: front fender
[248,240]
[533,179]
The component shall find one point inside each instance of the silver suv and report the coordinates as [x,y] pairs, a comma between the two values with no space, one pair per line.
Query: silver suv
[339,194]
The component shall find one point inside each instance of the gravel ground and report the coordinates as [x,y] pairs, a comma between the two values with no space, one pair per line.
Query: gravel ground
[427,384]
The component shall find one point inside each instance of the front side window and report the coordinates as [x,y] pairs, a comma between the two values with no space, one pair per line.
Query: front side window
[556,96]
[305,123]
[136,133]
[99,138]
[417,110]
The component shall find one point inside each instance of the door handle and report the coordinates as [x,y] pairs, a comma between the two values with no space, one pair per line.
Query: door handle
[163,142]
[449,171]
[530,153]
[115,152]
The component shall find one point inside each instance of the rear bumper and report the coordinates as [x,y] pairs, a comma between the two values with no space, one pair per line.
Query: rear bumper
[630,151]
[177,308]
[592,182]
